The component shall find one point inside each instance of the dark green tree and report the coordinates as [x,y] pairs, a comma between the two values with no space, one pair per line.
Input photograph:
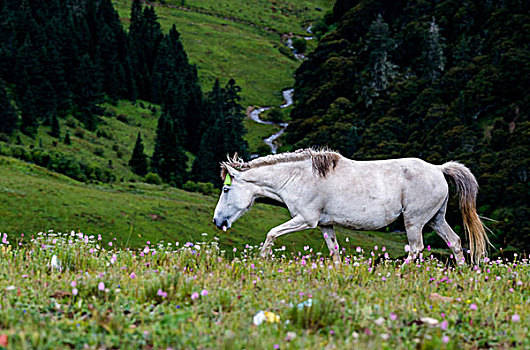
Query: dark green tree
[433,54]
[224,134]
[169,158]
[233,116]
[87,93]
[67,140]
[56,128]
[138,162]
[144,38]
[8,116]
[28,107]
[379,46]
[175,84]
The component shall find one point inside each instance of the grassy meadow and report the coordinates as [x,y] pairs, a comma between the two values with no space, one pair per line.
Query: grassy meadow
[73,290]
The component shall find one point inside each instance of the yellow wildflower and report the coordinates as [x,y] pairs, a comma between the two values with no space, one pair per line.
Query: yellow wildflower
[272,317]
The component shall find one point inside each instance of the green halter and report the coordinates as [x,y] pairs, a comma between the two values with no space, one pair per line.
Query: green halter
[228,180]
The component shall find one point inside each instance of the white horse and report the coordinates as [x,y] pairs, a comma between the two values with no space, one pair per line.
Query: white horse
[323,188]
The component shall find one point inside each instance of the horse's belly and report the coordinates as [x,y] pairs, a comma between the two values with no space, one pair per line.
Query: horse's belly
[361,218]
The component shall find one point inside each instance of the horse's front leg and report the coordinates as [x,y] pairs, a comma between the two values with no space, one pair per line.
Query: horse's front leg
[331,240]
[297,223]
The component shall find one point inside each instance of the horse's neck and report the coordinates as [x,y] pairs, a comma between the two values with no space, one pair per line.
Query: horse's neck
[273,180]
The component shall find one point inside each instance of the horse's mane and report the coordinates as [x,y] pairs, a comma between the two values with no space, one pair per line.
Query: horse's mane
[323,160]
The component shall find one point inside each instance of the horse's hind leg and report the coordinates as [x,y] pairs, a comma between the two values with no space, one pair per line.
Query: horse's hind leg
[331,240]
[445,231]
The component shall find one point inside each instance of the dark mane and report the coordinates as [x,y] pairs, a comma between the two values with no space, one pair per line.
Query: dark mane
[323,161]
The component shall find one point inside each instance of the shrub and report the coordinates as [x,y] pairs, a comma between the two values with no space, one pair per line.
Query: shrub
[206,188]
[299,45]
[153,178]
[70,121]
[100,152]
[123,118]
[79,133]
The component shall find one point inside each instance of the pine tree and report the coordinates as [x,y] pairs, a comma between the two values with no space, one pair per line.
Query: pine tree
[56,129]
[175,82]
[433,54]
[234,116]
[379,45]
[138,162]
[67,140]
[205,166]
[28,107]
[87,92]
[223,134]
[145,35]
[169,159]
[8,117]
[7,42]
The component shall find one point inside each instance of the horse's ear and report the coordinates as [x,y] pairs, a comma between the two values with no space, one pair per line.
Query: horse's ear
[228,173]
[234,174]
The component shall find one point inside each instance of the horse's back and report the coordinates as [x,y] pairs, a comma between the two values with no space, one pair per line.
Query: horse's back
[371,194]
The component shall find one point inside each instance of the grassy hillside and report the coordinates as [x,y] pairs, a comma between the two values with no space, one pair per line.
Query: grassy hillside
[35,199]
[164,297]
[238,39]
[112,149]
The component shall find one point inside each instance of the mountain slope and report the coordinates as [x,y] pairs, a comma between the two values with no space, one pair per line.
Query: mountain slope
[238,39]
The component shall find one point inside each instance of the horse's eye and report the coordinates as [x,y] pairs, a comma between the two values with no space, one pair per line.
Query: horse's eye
[226,189]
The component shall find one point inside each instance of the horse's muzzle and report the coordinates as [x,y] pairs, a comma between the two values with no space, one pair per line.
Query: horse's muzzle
[221,224]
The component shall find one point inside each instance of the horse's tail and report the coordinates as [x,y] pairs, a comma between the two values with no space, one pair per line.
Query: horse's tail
[467,188]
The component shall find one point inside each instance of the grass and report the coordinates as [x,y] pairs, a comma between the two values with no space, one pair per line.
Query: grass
[282,16]
[35,199]
[62,290]
[224,49]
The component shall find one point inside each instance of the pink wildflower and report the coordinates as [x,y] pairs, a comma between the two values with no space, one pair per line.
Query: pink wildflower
[473,306]
[194,295]
[204,292]
[444,325]
[101,286]
[516,318]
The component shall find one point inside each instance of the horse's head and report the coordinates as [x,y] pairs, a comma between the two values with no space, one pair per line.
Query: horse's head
[237,196]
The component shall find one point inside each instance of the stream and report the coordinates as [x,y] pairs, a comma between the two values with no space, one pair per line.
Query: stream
[287,96]
[254,115]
